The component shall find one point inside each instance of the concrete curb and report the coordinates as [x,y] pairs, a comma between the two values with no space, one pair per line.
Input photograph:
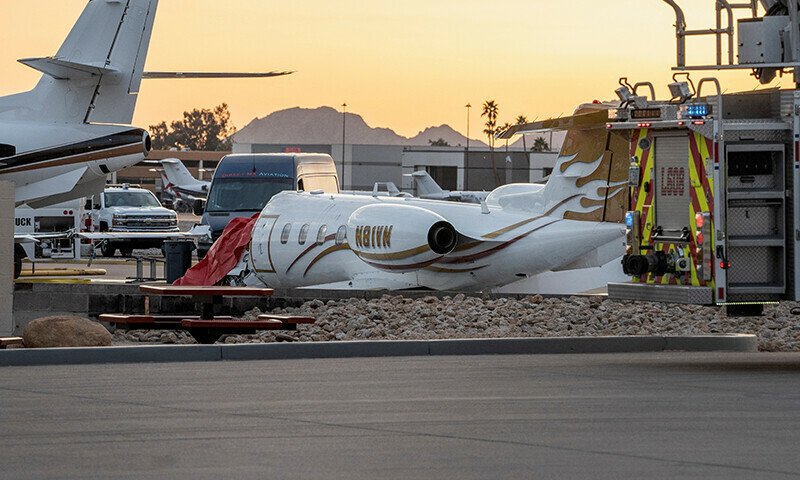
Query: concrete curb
[379,348]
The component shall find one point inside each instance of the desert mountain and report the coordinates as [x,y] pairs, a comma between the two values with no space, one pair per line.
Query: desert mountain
[323,125]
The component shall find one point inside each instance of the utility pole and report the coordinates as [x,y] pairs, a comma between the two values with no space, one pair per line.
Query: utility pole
[468,106]
[344,112]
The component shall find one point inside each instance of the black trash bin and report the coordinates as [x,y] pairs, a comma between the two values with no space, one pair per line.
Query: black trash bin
[177,257]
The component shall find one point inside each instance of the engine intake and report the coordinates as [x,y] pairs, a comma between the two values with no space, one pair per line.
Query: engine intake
[147,143]
[442,237]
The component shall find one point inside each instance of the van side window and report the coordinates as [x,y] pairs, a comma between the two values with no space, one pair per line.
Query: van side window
[341,235]
[323,230]
[301,238]
[285,233]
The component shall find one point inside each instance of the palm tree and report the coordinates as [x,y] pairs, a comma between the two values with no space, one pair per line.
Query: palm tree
[502,129]
[540,145]
[490,109]
[522,120]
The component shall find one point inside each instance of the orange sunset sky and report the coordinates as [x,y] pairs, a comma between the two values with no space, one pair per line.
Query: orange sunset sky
[404,64]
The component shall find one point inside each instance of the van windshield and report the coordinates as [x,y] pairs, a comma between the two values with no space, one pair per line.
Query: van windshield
[244,194]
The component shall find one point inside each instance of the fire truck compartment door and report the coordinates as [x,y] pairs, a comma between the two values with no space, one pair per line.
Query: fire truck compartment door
[671,177]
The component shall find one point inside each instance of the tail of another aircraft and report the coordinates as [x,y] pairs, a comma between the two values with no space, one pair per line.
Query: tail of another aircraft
[590,178]
[176,172]
[96,74]
[426,185]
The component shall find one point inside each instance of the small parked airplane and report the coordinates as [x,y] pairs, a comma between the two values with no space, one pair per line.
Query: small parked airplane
[428,188]
[180,183]
[304,239]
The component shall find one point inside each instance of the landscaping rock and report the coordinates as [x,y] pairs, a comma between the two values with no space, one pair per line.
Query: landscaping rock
[65,331]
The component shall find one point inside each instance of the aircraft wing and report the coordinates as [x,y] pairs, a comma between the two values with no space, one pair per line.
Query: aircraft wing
[579,120]
[49,186]
[38,237]
[97,236]
[376,280]
[179,75]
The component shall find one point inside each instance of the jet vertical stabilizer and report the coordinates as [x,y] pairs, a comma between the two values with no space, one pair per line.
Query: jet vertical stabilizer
[590,178]
[95,75]
[427,186]
[180,182]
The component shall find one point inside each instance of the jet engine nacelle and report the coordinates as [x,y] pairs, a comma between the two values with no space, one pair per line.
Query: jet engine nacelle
[399,237]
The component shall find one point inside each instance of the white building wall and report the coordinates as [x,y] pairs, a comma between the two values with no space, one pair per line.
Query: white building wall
[241,147]
[539,162]
[416,160]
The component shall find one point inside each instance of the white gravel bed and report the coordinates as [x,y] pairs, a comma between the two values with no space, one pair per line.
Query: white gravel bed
[393,317]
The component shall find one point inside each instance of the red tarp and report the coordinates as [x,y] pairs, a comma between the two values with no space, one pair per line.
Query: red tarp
[223,255]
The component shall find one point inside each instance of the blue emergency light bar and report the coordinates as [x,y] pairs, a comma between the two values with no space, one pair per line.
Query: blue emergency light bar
[629,219]
[698,110]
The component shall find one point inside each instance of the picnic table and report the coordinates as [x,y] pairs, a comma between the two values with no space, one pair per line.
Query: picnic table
[206,327]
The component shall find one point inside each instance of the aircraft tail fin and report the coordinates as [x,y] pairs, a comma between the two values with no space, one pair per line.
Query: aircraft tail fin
[176,172]
[590,178]
[426,185]
[96,74]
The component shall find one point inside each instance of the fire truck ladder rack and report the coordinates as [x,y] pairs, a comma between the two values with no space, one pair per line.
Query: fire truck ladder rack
[759,39]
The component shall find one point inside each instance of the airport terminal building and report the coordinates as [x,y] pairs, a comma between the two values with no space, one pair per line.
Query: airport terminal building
[454,168]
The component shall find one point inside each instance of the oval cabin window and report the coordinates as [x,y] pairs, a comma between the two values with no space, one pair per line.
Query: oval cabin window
[301,238]
[323,230]
[341,235]
[285,233]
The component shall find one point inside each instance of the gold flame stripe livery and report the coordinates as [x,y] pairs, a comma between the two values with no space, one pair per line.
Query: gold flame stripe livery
[396,255]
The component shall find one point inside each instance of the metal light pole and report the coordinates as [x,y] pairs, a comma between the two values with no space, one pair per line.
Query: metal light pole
[468,106]
[344,111]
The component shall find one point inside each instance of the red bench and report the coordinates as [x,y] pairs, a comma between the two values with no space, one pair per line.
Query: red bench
[205,331]
[206,328]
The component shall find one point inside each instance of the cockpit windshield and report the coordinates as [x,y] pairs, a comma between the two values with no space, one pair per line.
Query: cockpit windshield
[244,194]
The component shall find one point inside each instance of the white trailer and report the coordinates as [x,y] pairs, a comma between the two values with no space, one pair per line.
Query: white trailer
[59,218]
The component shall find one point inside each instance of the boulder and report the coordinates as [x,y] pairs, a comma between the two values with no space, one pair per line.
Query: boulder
[65,331]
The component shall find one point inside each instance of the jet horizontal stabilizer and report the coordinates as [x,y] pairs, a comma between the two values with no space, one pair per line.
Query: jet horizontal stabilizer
[177,75]
[65,70]
[579,120]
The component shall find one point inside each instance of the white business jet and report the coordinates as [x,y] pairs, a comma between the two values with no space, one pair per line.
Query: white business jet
[179,182]
[345,241]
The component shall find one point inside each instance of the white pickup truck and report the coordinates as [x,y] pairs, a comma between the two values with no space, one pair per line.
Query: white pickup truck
[126,208]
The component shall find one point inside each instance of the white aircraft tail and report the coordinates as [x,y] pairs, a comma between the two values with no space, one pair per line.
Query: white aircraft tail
[589,181]
[176,172]
[426,185]
[96,74]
